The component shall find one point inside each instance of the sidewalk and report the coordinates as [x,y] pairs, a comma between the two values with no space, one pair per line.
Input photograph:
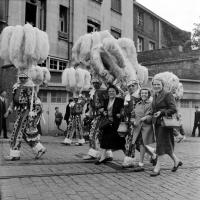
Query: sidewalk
[62,174]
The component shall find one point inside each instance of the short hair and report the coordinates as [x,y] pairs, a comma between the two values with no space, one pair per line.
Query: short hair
[158,79]
[149,91]
[56,107]
[114,87]
[70,100]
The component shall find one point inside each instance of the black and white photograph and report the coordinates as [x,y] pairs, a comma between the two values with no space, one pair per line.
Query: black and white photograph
[99,100]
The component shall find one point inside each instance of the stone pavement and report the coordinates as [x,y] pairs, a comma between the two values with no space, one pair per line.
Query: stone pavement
[62,174]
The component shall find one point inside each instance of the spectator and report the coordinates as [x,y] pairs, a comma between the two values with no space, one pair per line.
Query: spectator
[67,112]
[58,118]
[3,114]
[196,121]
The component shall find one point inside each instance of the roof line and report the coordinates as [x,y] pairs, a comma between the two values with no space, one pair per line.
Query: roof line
[157,16]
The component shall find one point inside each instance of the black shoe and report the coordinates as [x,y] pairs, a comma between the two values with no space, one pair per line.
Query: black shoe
[155,173]
[12,158]
[138,169]
[174,169]
[103,161]
[154,161]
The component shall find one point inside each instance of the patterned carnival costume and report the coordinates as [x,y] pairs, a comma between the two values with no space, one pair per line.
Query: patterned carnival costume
[75,127]
[97,96]
[25,126]
[129,106]
[24,47]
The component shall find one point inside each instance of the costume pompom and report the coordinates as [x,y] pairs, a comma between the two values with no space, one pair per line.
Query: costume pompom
[44,46]
[76,49]
[79,74]
[36,74]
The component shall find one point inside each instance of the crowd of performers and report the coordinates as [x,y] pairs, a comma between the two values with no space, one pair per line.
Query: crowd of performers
[141,109]
[124,114]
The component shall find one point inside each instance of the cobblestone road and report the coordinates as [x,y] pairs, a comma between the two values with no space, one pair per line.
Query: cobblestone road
[62,174]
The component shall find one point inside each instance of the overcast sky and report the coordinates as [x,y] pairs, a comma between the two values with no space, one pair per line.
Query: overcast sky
[181,13]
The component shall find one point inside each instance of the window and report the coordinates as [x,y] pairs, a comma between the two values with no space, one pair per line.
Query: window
[116,5]
[93,25]
[152,46]
[58,64]
[35,13]
[58,97]
[140,44]
[140,18]
[64,19]
[153,26]
[116,33]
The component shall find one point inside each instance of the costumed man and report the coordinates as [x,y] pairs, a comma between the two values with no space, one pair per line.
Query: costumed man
[75,123]
[29,112]
[129,104]
[97,96]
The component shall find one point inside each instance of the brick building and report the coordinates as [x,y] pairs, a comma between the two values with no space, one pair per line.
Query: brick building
[66,20]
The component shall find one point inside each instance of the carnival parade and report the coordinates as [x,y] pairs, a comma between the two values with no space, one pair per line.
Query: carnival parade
[125,111]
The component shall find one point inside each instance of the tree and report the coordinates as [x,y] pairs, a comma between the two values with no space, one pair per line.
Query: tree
[196,36]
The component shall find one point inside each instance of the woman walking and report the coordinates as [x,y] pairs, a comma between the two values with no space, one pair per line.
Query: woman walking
[163,105]
[143,130]
[109,139]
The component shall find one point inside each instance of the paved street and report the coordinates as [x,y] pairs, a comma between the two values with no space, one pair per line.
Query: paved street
[62,174]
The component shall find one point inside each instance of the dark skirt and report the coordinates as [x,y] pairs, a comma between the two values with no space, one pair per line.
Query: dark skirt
[164,140]
[109,138]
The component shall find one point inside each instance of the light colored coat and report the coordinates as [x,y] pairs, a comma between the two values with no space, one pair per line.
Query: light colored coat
[143,109]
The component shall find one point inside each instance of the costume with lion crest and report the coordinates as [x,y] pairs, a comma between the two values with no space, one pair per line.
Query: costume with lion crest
[25,47]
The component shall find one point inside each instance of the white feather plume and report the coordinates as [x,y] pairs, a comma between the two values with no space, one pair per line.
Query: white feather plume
[5,43]
[46,75]
[79,74]
[129,50]
[96,39]
[16,47]
[30,43]
[85,48]
[114,49]
[87,80]
[105,34]
[44,46]
[37,75]
[69,78]
[76,49]
[142,73]
[171,81]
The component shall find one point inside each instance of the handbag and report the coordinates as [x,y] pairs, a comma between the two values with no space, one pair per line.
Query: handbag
[170,122]
[123,129]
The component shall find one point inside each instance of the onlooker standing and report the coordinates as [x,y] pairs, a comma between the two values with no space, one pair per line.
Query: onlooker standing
[67,112]
[58,118]
[3,114]
[196,121]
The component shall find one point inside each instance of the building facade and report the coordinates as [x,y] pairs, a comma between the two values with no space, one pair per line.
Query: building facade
[65,21]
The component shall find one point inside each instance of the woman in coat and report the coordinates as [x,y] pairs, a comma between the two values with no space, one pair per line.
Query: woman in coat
[163,105]
[109,138]
[143,130]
